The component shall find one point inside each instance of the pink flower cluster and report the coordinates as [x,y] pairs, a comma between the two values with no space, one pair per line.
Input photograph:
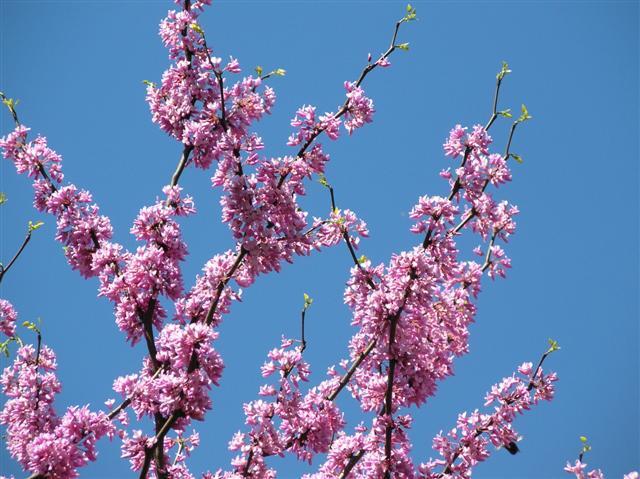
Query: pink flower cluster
[579,469]
[285,419]
[468,443]
[8,318]
[193,104]
[360,108]
[40,440]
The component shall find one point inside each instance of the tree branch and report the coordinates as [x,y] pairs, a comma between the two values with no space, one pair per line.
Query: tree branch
[345,106]
[4,270]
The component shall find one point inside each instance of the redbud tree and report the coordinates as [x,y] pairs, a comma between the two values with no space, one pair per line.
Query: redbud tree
[410,314]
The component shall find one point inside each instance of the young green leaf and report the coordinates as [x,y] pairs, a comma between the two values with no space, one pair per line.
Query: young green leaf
[323,181]
[308,300]
[259,70]
[31,326]
[518,158]
[149,83]
[3,198]
[403,46]
[34,226]
[506,113]
[411,14]
[525,115]
[503,71]
[553,346]
[197,28]
[280,72]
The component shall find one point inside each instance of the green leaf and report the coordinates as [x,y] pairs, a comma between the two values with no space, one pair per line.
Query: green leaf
[518,158]
[4,346]
[506,113]
[259,70]
[308,300]
[9,103]
[149,83]
[553,346]
[583,438]
[411,14]
[35,226]
[363,259]
[503,71]
[403,46]
[197,28]
[3,198]
[31,326]
[525,115]
[323,181]
[280,72]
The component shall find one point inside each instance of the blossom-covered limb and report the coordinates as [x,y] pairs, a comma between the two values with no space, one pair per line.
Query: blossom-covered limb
[486,181]
[465,442]
[348,240]
[382,61]
[44,443]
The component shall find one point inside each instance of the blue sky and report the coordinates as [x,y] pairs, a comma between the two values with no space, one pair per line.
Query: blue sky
[77,68]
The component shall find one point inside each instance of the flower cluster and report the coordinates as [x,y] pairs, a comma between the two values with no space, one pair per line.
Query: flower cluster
[8,318]
[359,108]
[579,469]
[41,441]
[284,418]
[468,443]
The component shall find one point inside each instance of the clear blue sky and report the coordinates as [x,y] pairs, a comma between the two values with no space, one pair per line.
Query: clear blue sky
[77,68]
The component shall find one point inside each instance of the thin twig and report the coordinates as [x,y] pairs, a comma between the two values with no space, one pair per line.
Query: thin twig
[4,270]
[345,106]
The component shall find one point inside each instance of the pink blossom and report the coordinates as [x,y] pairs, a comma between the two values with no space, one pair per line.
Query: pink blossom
[359,108]
[8,318]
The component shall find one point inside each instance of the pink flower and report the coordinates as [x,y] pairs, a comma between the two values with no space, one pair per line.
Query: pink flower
[359,108]
[8,318]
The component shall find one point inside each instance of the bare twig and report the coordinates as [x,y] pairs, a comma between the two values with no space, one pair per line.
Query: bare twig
[4,270]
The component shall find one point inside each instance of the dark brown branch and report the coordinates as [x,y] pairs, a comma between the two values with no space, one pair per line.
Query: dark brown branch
[388,400]
[222,284]
[494,114]
[347,237]
[454,190]
[181,164]
[4,270]
[352,463]
[344,380]
[303,341]
[193,362]
[507,150]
